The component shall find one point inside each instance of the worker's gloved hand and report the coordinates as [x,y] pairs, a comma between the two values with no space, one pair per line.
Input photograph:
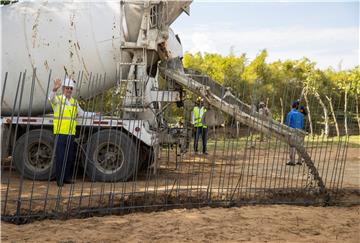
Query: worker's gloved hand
[57,85]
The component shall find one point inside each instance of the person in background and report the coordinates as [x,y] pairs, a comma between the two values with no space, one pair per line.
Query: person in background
[265,115]
[66,110]
[200,128]
[294,119]
[302,111]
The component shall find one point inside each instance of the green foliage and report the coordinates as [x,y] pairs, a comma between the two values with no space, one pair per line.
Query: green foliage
[259,80]
[7,2]
[277,84]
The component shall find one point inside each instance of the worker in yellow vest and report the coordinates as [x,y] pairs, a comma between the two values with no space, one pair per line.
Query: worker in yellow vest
[200,127]
[66,110]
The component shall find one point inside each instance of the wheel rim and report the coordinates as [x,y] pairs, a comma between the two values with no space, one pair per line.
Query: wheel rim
[109,158]
[39,156]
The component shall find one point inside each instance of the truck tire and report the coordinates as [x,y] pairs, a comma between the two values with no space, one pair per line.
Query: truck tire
[33,155]
[146,157]
[110,156]
[6,140]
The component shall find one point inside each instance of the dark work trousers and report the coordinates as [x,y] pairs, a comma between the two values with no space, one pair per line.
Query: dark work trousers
[64,157]
[203,132]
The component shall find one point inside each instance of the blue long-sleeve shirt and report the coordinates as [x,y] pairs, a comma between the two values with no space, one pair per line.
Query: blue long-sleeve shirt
[295,119]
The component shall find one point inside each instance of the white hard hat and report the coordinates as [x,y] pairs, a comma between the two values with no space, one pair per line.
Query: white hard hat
[68,83]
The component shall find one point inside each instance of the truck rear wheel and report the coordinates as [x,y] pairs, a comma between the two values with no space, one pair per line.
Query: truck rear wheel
[33,155]
[146,157]
[111,156]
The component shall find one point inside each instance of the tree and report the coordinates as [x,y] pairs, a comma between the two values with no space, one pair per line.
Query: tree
[281,82]
[6,2]
[344,84]
[355,80]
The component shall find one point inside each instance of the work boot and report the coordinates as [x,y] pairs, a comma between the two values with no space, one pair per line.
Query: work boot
[291,163]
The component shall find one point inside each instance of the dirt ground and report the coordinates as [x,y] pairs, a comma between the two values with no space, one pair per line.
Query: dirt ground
[193,178]
[249,223]
[273,223]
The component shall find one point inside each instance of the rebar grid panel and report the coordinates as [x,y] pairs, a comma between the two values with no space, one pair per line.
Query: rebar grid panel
[138,154]
[240,167]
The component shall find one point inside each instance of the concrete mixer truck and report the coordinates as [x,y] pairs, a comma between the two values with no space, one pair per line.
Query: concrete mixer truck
[122,40]
[132,45]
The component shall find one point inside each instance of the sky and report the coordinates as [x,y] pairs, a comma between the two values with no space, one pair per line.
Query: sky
[326,32]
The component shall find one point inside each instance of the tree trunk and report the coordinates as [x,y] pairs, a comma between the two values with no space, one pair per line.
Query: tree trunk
[282,111]
[302,94]
[357,107]
[326,116]
[309,114]
[345,113]
[333,116]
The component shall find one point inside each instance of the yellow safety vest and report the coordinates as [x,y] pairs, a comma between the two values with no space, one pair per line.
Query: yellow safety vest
[64,116]
[197,118]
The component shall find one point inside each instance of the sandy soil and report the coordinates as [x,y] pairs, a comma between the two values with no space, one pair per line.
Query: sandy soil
[191,177]
[250,223]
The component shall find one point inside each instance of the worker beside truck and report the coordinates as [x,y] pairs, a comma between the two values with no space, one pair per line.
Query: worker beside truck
[66,110]
[200,128]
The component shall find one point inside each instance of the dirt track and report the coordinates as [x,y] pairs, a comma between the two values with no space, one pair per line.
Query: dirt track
[193,176]
[250,223]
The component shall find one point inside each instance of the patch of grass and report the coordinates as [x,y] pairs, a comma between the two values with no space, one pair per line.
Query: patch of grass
[352,141]
[316,141]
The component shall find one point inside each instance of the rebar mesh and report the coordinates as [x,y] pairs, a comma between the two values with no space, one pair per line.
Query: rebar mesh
[240,167]
[138,152]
